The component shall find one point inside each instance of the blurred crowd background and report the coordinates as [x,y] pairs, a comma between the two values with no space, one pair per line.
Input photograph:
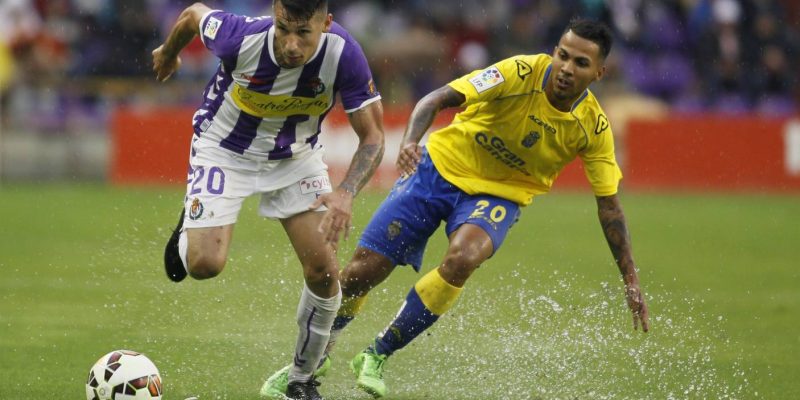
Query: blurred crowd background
[66,64]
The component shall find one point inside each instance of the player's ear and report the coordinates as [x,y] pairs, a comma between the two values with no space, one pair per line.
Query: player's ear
[601,72]
[328,22]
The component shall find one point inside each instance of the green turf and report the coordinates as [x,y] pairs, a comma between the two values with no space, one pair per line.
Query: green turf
[543,319]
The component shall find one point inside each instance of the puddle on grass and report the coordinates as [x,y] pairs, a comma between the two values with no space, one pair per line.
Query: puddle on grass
[551,341]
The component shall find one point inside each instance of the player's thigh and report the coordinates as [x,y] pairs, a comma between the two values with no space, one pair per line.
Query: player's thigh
[208,247]
[403,223]
[470,245]
[296,198]
[493,215]
[315,254]
[216,187]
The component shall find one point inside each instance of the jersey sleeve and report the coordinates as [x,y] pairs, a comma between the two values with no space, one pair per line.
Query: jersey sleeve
[222,33]
[487,84]
[354,79]
[599,162]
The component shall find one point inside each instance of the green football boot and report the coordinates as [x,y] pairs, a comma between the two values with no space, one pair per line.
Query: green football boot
[368,368]
[275,386]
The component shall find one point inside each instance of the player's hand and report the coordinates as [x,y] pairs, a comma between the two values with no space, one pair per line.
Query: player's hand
[408,159]
[635,298]
[337,219]
[164,65]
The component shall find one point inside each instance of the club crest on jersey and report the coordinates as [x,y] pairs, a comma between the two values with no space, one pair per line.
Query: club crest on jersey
[489,78]
[196,210]
[393,230]
[312,88]
[530,139]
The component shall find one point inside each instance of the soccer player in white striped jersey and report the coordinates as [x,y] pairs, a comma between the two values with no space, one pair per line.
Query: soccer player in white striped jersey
[256,133]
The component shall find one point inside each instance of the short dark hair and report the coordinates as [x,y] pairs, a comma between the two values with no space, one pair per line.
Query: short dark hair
[595,31]
[303,9]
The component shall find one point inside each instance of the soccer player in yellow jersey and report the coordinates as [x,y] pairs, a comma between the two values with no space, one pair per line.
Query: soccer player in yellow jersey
[526,117]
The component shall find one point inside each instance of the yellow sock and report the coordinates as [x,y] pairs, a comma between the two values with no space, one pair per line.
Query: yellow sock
[351,306]
[436,294]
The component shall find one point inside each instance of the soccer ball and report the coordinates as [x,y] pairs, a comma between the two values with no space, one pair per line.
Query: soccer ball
[123,375]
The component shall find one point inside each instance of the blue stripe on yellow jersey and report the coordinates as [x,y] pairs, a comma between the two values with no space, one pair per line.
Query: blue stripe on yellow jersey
[510,141]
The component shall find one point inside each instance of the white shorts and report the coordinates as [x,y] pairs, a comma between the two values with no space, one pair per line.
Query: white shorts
[219,181]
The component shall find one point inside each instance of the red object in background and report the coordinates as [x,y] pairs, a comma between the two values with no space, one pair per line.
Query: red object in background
[150,146]
[709,153]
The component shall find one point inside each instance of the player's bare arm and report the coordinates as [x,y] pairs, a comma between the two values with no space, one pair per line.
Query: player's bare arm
[421,119]
[612,219]
[165,57]
[368,125]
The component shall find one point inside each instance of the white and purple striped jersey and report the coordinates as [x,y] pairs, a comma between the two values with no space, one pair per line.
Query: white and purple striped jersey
[254,107]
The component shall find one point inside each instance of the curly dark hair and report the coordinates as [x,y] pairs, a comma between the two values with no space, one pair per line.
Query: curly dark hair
[594,31]
[303,10]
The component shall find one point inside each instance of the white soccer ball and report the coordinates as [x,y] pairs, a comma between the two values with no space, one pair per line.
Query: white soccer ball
[124,375]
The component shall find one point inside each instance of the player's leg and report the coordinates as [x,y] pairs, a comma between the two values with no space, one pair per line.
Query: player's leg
[475,234]
[200,252]
[438,290]
[396,235]
[476,229]
[366,270]
[428,299]
[321,296]
[199,244]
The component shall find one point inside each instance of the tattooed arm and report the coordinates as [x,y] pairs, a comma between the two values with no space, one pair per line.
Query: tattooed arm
[421,119]
[612,219]
[368,125]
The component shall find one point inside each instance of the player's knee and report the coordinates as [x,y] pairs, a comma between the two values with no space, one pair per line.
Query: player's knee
[205,266]
[460,262]
[466,257]
[320,275]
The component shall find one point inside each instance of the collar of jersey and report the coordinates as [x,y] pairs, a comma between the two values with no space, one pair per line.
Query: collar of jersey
[544,82]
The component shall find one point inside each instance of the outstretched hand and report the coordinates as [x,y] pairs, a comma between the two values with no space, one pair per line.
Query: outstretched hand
[337,219]
[635,298]
[408,159]
[164,65]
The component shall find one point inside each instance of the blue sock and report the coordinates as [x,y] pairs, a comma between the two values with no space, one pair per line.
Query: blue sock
[413,319]
[341,321]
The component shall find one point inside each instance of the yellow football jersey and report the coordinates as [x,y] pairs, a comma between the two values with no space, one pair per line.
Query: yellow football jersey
[510,141]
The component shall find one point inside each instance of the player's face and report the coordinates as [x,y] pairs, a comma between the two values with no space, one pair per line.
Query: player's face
[576,64]
[296,40]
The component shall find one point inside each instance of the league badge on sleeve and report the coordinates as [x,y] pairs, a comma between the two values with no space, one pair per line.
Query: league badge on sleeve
[212,27]
[489,78]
